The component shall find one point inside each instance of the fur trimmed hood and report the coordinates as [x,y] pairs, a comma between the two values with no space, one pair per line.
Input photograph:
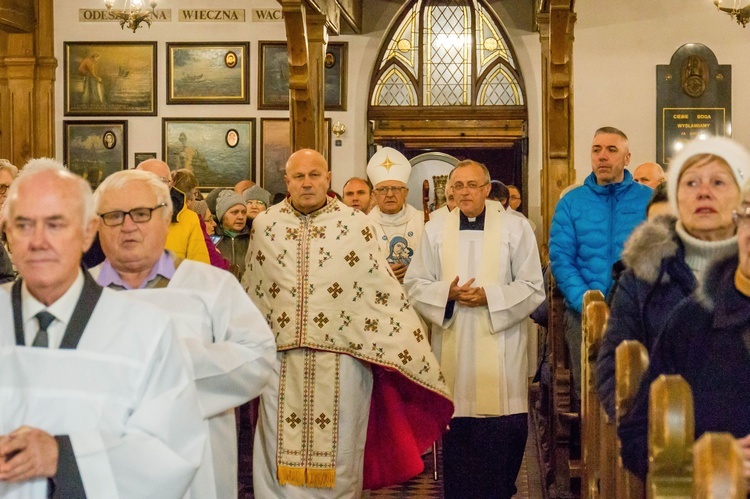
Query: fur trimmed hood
[649,244]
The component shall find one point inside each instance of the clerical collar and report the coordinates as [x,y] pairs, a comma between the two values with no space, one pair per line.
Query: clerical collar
[165,267]
[474,223]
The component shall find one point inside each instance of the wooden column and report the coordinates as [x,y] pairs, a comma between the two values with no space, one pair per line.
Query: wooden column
[27,97]
[306,42]
[556,20]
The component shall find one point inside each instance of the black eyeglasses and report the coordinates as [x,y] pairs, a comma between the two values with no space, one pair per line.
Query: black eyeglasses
[137,215]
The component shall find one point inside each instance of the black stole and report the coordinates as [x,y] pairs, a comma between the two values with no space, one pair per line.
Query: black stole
[81,314]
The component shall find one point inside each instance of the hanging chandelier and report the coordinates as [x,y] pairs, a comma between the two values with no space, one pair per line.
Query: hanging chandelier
[132,13]
[740,13]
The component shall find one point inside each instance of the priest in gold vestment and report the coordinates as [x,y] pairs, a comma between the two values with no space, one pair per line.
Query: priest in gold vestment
[356,394]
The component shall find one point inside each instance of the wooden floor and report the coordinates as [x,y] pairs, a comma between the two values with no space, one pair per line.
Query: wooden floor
[424,486]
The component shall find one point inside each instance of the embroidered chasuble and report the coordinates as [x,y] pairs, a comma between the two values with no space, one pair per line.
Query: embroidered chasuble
[325,288]
[398,234]
[482,350]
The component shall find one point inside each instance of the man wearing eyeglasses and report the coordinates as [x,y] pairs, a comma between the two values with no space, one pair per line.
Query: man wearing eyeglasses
[475,278]
[101,402]
[8,172]
[398,224]
[227,341]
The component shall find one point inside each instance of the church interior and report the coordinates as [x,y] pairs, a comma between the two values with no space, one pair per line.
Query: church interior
[348,76]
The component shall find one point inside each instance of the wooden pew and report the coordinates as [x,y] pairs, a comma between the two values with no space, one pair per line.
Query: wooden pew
[631,362]
[551,407]
[718,468]
[670,438]
[594,320]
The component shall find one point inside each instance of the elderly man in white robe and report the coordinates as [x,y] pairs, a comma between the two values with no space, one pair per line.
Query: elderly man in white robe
[398,224]
[95,397]
[229,346]
[476,277]
[356,394]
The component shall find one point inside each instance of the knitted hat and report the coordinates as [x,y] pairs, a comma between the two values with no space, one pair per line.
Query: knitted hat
[257,193]
[733,153]
[388,164]
[211,198]
[226,200]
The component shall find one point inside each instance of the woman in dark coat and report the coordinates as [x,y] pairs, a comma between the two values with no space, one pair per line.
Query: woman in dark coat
[666,259]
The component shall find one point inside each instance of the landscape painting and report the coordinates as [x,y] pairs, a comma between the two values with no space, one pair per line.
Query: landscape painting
[273,85]
[95,149]
[207,73]
[110,78]
[200,145]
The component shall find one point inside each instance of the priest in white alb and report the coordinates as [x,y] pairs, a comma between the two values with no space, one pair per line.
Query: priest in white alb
[356,394]
[476,277]
[95,397]
[397,223]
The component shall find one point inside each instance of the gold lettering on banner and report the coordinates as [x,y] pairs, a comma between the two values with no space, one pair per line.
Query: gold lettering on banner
[103,15]
[211,15]
[267,15]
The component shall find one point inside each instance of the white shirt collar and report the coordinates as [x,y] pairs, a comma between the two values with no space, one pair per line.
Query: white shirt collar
[62,309]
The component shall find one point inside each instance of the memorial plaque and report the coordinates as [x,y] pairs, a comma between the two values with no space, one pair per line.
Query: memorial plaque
[693,99]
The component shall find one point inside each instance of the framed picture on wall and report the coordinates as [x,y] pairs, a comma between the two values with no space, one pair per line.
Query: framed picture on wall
[273,76]
[207,73]
[140,157]
[220,151]
[110,78]
[95,149]
[275,149]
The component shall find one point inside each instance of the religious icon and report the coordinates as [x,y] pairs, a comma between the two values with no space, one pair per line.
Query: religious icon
[233,138]
[109,140]
[400,252]
[330,60]
[230,59]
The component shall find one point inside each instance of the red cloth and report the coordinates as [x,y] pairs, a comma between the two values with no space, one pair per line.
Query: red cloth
[405,420]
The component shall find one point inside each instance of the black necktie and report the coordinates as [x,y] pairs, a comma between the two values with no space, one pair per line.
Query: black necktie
[45,319]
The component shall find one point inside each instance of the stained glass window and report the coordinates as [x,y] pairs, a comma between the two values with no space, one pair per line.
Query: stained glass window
[447,53]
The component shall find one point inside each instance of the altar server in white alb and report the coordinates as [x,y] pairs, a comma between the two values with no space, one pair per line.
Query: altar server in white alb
[95,396]
[226,339]
[398,224]
[476,277]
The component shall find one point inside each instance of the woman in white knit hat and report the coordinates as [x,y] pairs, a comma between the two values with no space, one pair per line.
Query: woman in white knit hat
[666,258]
[231,213]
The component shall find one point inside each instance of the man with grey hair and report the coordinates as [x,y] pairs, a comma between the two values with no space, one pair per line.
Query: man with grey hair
[185,236]
[8,172]
[227,341]
[590,226]
[103,405]
[476,277]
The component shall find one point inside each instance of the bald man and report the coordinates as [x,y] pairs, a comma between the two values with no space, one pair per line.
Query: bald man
[315,271]
[185,238]
[650,174]
[242,186]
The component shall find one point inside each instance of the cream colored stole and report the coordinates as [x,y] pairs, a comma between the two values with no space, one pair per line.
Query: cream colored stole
[308,421]
[489,351]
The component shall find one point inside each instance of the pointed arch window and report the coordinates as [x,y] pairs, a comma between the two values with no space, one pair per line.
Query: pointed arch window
[447,53]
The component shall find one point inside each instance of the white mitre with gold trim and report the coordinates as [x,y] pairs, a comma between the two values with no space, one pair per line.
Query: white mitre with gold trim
[388,164]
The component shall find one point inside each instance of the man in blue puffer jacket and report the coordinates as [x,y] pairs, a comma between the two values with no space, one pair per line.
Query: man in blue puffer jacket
[590,226]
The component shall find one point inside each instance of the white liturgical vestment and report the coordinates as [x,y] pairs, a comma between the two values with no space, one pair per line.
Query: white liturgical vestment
[231,352]
[482,350]
[123,396]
